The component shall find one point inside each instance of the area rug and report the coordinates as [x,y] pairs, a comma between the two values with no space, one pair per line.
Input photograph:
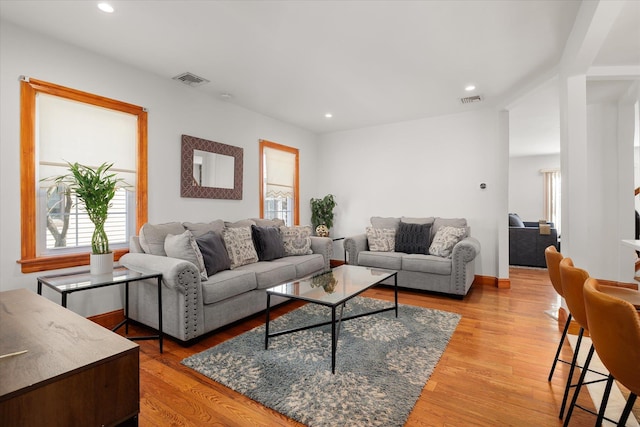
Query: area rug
[382,364]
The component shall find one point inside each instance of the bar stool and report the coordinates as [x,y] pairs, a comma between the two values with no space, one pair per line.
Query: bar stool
[573,280]
[553,258]
[615,333]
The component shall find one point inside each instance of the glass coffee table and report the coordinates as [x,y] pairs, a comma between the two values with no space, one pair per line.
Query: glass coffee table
[332,289]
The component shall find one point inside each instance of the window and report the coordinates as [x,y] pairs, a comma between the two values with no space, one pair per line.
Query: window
[551,196]
[279,194]
[59,124]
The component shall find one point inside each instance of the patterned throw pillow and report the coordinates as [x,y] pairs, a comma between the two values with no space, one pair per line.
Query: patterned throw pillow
[239,244]
[381,239]
[445,239]
[296,240]
[184,246]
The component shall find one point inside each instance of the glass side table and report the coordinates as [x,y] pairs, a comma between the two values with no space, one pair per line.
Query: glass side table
[66,284]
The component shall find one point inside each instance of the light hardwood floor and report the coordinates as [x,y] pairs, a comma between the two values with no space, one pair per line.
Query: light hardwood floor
[493,372]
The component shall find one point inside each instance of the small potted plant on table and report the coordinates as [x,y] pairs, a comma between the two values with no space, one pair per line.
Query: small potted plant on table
[322,214]
[95,188]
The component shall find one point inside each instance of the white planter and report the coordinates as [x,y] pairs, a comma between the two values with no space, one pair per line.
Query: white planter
[101,264]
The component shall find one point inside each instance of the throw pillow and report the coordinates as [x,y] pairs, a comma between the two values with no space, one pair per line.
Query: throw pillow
[296,240]
[515,221]
[268,242]
[213,252]
[152,236]
[381,239]
[445,239]
[184,246]
[239,244]
[413,238]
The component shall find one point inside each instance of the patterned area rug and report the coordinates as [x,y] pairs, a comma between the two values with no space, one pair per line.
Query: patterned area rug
[382,364]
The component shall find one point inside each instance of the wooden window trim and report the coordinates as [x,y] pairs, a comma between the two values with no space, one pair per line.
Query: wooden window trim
[296,179]
[29,88]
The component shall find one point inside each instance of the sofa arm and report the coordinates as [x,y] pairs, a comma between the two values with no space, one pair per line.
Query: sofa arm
[324,246]
[354,245]
[182,302]
[462,265]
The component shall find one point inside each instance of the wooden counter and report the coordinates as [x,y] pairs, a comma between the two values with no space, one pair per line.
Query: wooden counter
[74,373]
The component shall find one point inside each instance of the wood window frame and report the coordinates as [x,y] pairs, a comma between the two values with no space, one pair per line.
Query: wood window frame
[296,179]
[29,88]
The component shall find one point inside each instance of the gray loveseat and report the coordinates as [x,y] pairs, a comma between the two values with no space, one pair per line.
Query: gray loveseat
[194,301]
[425,259]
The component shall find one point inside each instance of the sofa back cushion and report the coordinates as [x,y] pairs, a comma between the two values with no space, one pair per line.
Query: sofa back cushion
[268,242]
[213,252]
[152,236]
[385,222]
[200,228]
[413,238]
[451,222]
[296,240]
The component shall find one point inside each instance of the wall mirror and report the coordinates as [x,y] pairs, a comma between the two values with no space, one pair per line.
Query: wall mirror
[210,169]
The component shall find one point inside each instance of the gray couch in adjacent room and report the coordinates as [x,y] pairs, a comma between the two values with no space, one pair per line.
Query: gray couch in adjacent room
[432,254]
[527,242]
[225,279]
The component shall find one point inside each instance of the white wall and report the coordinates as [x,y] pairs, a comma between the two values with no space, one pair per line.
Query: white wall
[526,193]
[174,109]
[428,167]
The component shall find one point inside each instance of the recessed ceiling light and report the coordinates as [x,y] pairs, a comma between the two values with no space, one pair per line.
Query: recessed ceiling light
[226,96]
[469,88]
[328,115]
[105,7]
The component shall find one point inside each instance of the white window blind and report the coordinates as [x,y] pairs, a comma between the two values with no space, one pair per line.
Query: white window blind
[280,173]
[71,131]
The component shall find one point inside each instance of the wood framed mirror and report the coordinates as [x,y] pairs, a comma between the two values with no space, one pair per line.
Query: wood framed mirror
[210,169]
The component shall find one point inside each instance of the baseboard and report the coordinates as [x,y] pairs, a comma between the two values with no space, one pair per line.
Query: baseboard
[108,320]
[492,281]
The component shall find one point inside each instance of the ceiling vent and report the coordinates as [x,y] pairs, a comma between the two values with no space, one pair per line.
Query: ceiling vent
[471,99]
[191,79]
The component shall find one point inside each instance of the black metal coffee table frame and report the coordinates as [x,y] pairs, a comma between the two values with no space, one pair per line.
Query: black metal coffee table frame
[335,319]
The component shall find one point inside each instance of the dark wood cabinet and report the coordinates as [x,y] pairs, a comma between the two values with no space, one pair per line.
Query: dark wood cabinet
[73,373]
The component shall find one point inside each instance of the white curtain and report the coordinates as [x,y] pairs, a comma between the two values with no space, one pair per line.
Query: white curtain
[551,196]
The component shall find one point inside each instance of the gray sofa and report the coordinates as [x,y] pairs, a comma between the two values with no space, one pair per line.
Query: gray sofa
[424,260]
[527,243]
[194,302]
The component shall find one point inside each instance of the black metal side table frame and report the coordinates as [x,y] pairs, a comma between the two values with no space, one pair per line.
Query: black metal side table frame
[66,284]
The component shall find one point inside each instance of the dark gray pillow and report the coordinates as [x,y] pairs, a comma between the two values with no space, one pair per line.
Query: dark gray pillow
[214,252]
[413,238]
[515,221]
[268,242]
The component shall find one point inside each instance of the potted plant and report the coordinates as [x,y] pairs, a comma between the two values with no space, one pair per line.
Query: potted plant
[95,188]
[322,214]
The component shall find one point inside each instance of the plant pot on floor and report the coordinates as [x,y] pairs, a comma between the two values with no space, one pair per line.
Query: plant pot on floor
[101,264]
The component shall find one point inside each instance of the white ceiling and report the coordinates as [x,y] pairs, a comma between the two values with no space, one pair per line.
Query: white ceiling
[367,62]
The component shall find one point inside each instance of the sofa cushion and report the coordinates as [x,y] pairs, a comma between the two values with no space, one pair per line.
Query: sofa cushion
[305,264]
[271,273]
[200,228]
[152,236]
[389,260]
[213,252]
[268,242]
[239,244]
[413,238]
[184,246]
[427,264]
[275,222]
[385,222]
[240,223]
[445,239]
[414,220]
[227,284]
[381,239]
[296,240]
